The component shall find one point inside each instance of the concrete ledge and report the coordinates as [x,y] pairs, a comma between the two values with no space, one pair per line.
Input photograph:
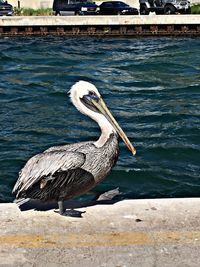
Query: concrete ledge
[99,20]
[154,232]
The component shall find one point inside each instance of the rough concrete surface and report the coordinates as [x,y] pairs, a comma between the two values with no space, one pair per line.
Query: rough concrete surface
[157,232]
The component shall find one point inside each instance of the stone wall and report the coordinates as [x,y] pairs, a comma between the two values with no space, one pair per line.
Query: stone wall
[36,4]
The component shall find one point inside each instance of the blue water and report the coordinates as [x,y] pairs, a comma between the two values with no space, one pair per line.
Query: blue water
[151,85]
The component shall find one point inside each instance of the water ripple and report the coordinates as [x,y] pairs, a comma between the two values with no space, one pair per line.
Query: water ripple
[151,85]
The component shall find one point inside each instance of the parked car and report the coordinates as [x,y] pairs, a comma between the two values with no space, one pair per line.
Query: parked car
[116,8]
[5,8]
[74,7]
[164,7]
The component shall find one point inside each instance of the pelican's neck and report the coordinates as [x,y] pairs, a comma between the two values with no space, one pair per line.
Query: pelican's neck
[104,124]
[106,130]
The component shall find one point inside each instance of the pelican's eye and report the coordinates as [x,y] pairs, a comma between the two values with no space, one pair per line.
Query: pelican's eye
[93,95]
[88,99]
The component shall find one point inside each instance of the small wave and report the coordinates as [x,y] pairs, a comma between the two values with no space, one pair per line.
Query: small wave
[151,85]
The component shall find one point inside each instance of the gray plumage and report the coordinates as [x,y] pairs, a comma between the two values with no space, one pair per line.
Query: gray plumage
[63,172]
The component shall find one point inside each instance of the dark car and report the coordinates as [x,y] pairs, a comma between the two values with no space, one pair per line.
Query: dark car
[5,8]
[116,8]
[74,7]
[164,7]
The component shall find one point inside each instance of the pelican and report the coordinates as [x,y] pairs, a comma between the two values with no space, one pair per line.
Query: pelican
[64,172]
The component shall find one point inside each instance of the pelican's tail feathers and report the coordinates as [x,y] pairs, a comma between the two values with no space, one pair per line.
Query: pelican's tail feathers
[21,201]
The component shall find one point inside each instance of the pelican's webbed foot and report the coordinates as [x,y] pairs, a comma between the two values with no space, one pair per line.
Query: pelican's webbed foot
[73,213]
[69,213]
[109,195]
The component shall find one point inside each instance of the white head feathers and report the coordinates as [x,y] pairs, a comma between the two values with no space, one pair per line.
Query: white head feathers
[83,88]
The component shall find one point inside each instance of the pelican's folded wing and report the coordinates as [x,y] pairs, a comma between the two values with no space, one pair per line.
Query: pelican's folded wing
[47,164]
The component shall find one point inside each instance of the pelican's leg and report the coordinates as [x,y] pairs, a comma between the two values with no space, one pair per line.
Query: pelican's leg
[61,207]
[70,213]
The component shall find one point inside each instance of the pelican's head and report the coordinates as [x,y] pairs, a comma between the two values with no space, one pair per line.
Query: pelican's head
[88,100]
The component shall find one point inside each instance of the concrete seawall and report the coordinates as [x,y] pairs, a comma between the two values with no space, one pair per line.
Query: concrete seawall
[102,25]
[159,232]
[99,20]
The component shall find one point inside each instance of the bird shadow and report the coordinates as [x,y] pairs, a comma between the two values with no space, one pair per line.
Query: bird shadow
[107,198]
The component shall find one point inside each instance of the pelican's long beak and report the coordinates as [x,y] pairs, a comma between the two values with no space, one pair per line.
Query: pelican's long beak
[101,106]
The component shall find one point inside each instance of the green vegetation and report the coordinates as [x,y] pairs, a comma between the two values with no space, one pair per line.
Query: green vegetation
[33,12]
[195,9]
